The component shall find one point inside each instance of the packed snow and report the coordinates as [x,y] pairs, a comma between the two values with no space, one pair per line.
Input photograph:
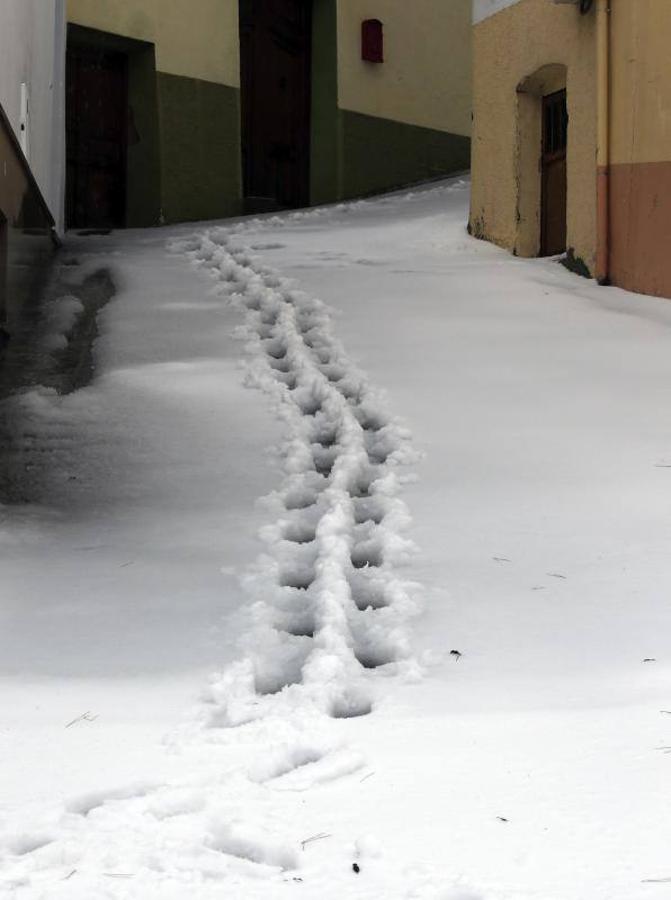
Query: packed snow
[346,575]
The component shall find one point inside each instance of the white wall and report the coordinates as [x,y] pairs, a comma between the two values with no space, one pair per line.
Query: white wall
[482,9]
[32,50]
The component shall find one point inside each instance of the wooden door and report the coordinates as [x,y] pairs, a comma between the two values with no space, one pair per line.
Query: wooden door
[553,186]
[3,279]
[275,50]
[96,137]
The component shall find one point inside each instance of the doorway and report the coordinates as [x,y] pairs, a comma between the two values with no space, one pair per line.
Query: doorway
[3,278]
[275,63]
[96,137]
[553,174]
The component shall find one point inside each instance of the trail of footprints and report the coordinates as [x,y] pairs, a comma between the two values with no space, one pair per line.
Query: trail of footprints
[330,611]
[330,608]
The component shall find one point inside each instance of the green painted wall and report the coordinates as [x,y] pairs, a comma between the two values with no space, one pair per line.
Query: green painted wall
[380,154]
[199,148]
[143,174]
[184,158]
[353,154]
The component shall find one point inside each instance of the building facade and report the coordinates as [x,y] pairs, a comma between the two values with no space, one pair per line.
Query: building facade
[199,109]
[32,59]
[572,134]
[408,118]
[152,111]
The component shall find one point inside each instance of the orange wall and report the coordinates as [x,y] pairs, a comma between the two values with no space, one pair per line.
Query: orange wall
[640,173]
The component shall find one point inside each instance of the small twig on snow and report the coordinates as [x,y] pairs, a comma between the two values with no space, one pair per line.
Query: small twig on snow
[315,837]
[85,717]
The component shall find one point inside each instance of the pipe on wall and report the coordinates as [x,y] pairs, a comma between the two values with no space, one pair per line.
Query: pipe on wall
[603,13]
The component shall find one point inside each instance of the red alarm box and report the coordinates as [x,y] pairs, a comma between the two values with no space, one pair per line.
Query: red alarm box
[372,41]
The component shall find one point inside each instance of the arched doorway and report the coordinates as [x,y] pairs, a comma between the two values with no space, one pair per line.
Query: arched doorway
[275,62]
[542,136]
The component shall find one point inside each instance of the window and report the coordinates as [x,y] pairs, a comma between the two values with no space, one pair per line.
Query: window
[555,122]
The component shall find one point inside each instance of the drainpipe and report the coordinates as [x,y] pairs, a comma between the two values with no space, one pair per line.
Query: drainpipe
[603,10]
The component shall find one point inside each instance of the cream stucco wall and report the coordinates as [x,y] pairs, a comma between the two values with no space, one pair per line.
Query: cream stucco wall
[425,78]
[640,81]
[193,38]
[508,47]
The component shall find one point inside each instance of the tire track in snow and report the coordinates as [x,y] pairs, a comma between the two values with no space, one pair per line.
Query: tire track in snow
[331,610]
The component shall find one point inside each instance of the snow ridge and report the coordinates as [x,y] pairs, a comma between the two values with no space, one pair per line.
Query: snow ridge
[330,610]
[344,208]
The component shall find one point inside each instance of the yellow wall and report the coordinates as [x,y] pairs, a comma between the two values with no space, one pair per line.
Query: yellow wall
[194,38]
[641,81]
[425,78]
[508,47]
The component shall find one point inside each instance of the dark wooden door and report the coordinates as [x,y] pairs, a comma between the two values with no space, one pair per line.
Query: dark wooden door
[96,134]
[275,50]
[553,188]
[3,277]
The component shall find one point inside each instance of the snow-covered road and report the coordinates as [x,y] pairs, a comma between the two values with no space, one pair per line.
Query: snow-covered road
[341,728]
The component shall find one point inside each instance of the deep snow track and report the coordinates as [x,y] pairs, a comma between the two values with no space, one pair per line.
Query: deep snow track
[330,606]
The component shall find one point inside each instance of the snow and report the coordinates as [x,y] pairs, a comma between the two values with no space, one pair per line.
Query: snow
[61,316]
[428,677]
